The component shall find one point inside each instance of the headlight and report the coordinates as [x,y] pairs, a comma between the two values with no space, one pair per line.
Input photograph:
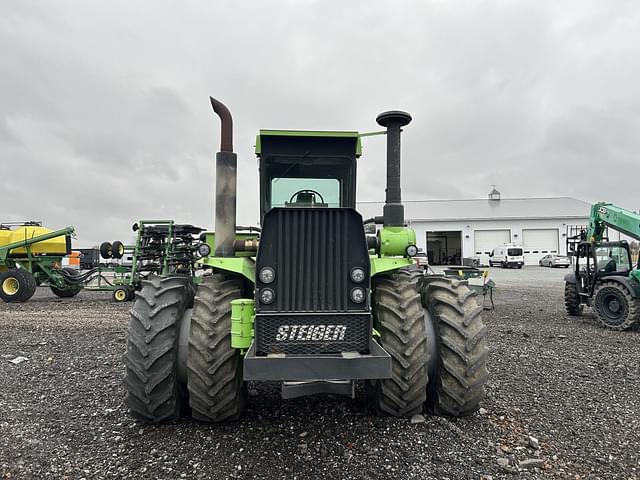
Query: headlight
[357,275]
[267,296]
[267,275]
[204,249]
[411,251]
[357,295]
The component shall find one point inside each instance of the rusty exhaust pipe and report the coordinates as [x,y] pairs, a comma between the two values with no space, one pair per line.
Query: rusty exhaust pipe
[226,182]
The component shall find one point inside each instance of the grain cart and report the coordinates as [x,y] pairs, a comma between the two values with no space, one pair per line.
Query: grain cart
[604,276]
[311,300]
[31,255]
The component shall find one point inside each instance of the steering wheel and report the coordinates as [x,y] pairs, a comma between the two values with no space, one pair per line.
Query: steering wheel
[306,191]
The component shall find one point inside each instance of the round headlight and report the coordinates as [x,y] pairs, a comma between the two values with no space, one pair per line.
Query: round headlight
[267,296]
[411,251]
[204,249]
[267,275]
[357,295]
[357,275]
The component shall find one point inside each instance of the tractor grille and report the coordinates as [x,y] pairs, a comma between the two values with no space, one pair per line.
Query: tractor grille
[312,259]
[312,333]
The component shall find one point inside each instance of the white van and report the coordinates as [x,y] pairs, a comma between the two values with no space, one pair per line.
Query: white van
[507,255]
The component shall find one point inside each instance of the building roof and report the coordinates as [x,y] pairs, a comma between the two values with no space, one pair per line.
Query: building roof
[485,209]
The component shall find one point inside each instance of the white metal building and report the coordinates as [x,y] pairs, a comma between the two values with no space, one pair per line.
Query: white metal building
[450,230]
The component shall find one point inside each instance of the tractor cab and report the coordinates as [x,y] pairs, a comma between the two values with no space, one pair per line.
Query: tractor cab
[307,169]
[595,262]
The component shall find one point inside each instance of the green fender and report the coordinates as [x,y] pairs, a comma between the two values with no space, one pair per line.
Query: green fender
[243,266]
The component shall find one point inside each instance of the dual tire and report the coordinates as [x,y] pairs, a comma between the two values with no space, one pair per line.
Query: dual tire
[211,388]
[433,330]
[112,250]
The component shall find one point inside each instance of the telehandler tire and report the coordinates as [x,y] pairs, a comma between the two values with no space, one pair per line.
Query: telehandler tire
[614,306]
[457,387]
[70,290]
[399,318]
[17,285]
[572,300]
[153,391]
[214,369]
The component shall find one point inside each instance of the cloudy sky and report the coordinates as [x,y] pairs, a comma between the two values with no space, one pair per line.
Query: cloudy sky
[104,112]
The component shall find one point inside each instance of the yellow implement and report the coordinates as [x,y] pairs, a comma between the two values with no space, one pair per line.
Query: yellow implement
[51,246]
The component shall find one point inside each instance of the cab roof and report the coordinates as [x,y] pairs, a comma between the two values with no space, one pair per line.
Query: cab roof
[312,134]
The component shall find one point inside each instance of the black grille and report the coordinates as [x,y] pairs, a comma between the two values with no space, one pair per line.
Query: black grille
[313,261]
[312,251]
[312,334]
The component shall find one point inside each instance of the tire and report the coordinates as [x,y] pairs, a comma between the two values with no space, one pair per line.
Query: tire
[16,285]
[106,250]
[121,294]
[70,290]
[572,299]
[615,308]
[117,249]
[153,390]
[214,369]
[399,318]
[461,373]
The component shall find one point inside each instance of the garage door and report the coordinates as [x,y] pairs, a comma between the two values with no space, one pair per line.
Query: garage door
[486,240]
[539,242]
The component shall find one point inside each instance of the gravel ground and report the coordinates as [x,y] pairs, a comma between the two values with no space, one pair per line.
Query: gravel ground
[563,402]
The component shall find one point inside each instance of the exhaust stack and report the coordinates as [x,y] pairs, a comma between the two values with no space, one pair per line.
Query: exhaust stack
[393,211]
[226,181]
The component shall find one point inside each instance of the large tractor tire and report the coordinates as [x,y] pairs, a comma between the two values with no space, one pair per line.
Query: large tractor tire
[615,307]
[214,369]
[154,393]
[399,318]
[69,291]
[17,285]
[572,299]
[460,369]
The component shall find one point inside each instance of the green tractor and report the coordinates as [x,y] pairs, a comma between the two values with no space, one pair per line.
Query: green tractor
[317,299]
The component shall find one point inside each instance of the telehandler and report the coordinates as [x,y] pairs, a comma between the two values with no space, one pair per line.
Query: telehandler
[604,276]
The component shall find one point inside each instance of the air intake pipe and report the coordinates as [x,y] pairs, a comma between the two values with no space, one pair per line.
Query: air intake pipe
[226,180]
[393,211]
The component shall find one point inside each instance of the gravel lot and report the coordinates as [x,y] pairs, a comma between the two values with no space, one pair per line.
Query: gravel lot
[572,386]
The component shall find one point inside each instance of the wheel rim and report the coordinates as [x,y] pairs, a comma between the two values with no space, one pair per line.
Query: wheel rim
[10,286]
[120,295]
[613,308]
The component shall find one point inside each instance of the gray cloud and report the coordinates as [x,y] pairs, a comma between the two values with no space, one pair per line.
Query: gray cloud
[105,118]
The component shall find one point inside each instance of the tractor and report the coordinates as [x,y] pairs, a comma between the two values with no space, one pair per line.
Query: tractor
[316,298]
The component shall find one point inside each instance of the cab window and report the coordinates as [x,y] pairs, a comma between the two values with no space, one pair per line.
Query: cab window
[305,192]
